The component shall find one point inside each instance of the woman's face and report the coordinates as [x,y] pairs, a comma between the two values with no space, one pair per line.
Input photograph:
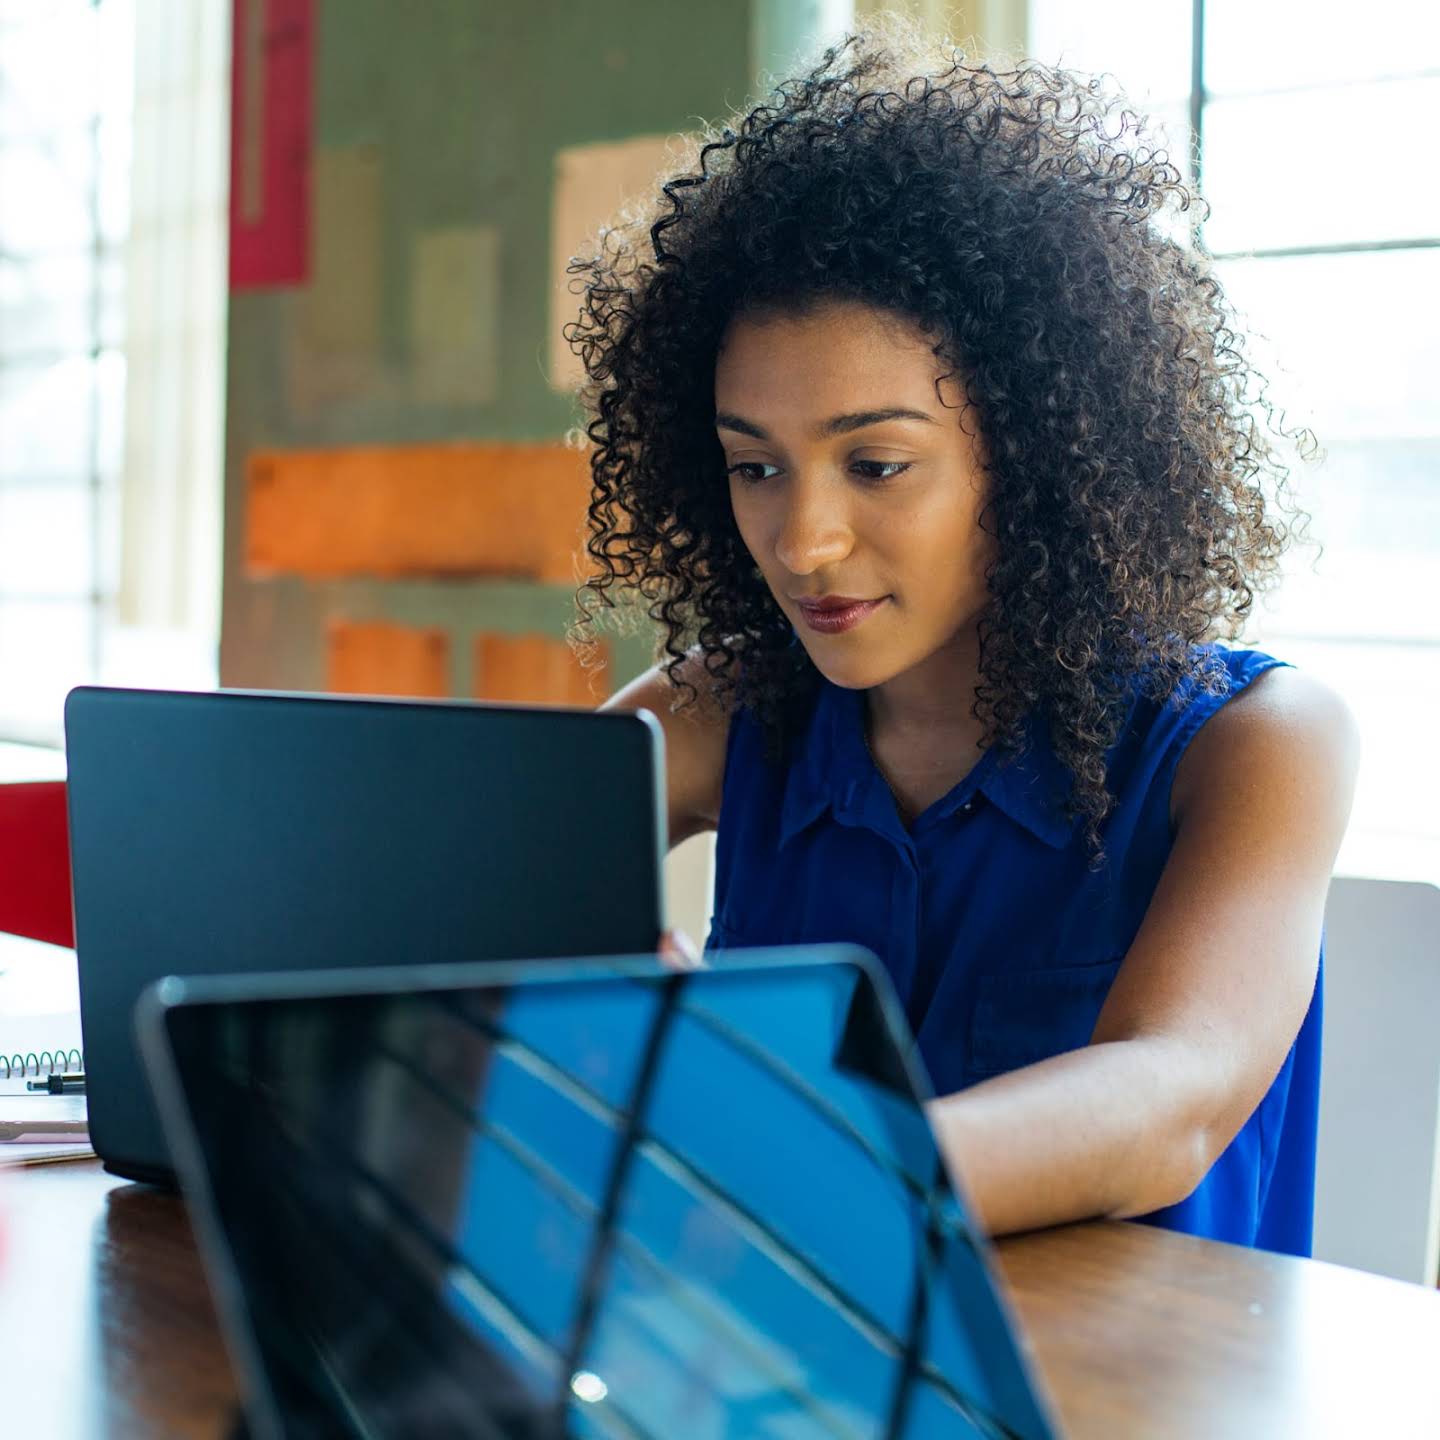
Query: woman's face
[852,480]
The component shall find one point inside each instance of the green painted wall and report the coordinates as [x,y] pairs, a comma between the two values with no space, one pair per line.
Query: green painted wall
[446,114]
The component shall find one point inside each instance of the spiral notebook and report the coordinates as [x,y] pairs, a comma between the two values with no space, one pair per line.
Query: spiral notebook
[41,1128]
[19,1066]
[38,1128]
[39,1036]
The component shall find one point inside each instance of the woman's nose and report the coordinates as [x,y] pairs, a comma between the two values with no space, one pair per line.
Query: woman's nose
[814,529]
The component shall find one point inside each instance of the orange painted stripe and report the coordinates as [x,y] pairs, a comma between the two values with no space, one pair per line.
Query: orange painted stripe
[377,658]
[417,510]
[534,669]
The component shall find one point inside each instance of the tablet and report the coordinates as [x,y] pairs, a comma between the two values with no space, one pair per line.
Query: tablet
[589,1199]
[234,831]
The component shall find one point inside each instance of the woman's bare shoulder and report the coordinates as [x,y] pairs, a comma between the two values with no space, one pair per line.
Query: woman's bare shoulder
[693,693]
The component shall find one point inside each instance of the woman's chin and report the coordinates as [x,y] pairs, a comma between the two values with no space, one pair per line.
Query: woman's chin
[854,671]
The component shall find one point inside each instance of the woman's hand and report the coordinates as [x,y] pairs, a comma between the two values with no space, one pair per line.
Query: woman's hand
[679,952]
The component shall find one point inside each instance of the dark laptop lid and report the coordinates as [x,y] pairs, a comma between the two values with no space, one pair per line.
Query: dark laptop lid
[230,832]
[582,1200]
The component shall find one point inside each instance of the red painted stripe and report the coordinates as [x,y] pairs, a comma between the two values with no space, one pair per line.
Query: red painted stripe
[271,115]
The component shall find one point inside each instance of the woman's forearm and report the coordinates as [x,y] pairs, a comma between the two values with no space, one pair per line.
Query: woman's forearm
[1115,1129]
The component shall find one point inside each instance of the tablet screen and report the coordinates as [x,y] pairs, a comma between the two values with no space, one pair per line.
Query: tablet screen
[700,1205]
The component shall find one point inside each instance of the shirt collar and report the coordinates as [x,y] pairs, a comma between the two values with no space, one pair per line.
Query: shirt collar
[833,771]
[1033,788]
[822,773]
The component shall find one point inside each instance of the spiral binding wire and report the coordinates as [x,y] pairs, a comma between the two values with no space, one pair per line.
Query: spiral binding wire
[46,1062]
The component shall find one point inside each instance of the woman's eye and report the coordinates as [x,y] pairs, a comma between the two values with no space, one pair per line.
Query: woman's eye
[752,472]
[880,469]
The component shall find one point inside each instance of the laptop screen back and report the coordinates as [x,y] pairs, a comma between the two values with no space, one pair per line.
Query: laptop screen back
[596,1204]
[220,834]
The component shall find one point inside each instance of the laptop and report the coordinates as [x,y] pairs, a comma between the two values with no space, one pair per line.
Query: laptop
[235,831]
[590,1199]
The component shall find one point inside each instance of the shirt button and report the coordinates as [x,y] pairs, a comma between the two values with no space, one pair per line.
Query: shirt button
[967,807]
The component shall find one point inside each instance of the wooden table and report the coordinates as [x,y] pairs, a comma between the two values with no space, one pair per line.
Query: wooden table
[106,1328]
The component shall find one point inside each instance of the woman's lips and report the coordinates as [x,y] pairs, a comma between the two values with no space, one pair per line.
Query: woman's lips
[833,617]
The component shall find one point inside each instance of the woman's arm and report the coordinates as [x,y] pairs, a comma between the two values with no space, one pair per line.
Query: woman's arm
[1210,996]
[694,744]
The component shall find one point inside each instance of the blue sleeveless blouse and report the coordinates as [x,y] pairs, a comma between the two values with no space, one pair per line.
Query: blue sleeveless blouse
[1001,940]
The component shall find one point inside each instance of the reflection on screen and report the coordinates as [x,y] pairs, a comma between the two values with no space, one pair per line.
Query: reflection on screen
[702,1205]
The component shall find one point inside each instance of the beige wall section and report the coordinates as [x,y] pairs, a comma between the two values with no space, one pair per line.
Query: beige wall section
[593,185]
[991,28]
[690,886]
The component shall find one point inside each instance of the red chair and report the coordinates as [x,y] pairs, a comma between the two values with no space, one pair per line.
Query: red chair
[35,862]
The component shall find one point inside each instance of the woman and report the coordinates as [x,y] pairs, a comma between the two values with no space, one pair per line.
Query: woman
[937,463]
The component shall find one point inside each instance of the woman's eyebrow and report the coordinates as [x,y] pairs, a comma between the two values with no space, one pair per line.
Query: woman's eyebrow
[835,425]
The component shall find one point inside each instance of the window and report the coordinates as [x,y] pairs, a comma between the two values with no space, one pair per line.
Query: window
[1305,124]
[113,180]
[64,212]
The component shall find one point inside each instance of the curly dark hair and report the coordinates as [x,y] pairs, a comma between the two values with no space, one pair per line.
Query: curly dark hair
[1026,222]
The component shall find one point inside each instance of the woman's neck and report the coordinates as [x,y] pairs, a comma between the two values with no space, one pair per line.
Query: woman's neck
[931,699]
[920,730]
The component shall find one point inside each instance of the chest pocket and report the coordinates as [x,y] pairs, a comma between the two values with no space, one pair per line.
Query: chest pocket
[1026,1016]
